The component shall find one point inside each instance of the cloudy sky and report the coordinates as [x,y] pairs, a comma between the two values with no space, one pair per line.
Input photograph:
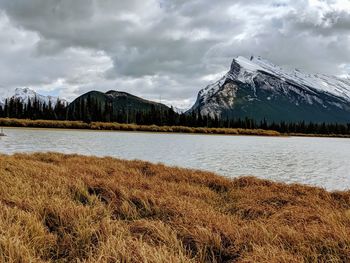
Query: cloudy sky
[162,48]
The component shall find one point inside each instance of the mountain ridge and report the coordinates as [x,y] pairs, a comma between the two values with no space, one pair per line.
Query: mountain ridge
[254,88]
[258,89]
[113,103]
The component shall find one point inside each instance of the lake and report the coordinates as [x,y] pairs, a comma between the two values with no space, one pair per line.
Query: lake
[323,162]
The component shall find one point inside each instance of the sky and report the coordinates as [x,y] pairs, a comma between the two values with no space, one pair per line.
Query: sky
[162,49]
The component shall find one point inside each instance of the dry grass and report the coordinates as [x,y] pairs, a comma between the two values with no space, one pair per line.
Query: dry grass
[130,127]
[332,135]
[7,122]
[70,208]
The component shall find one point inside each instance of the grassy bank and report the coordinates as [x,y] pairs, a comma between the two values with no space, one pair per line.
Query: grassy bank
[130,127]
[319,135]
[109,126]
[69,208]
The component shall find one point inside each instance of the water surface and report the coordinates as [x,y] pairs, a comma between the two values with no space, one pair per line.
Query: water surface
[322,162]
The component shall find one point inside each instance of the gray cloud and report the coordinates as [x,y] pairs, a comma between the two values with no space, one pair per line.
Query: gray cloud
[168,48]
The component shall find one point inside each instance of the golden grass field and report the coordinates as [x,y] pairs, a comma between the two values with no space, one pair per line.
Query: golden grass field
[70,208]
[130,127]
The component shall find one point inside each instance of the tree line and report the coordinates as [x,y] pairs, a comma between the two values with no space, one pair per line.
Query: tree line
[33,109]
[91,110]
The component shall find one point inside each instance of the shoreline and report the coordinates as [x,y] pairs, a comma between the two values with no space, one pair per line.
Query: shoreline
[82,208]
[140,132]
[101,126]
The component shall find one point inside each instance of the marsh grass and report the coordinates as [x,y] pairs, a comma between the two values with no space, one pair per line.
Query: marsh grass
[130,127]
[70,208]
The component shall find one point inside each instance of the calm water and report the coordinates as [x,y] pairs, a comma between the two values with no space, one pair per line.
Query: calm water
[323,162]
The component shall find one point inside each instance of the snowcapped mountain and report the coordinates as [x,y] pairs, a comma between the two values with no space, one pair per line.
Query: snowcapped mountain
[26,94]
[179,110]
[258,89]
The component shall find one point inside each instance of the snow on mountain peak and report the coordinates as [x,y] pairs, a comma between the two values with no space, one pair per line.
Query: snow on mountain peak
[26,94]
[251,64]
[245,70]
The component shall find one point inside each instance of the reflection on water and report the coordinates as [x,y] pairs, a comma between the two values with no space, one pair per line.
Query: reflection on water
[323,162]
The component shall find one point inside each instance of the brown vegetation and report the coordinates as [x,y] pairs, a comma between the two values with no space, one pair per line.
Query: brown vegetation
[332,135]
[130,127]
[70,208]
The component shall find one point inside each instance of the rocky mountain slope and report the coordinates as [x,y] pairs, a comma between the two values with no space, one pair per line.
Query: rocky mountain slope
[258,89]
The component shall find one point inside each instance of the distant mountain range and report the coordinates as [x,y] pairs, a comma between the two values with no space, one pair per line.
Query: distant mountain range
[253,88]
[258,89]
[25,95]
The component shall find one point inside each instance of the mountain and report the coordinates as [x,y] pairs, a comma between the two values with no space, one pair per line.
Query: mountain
[179,110]
[258,89]
[116,101]
[26,94]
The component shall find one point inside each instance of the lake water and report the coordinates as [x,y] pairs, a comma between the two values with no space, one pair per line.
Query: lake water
[322,162]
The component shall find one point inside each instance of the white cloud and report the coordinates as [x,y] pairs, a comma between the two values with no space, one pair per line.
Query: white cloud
[163,48]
